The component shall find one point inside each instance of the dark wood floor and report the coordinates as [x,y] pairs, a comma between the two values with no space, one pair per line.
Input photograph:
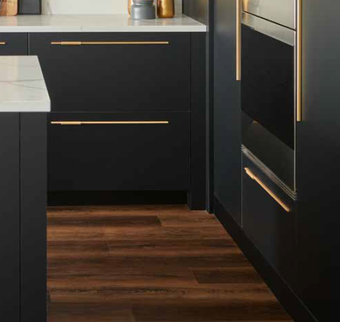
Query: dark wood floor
[149,264]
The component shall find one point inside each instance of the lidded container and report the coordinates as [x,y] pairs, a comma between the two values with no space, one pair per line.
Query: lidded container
[143,9]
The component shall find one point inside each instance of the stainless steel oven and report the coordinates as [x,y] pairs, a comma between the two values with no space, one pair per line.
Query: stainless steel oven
[269,65]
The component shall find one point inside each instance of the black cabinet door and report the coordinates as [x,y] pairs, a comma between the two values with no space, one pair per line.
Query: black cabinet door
[13,44]
[115,72]
[227,113]
[318,159]
[33,202]
[9,218]
[107,152]
[269,224]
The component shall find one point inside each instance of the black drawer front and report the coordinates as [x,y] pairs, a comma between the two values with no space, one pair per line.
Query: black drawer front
[115,71]
[13,44]
[119,156]
[267,223]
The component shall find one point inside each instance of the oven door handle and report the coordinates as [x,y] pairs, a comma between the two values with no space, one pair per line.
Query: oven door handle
[238,38]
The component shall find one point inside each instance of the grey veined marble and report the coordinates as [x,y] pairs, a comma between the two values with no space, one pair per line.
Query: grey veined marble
[22,85]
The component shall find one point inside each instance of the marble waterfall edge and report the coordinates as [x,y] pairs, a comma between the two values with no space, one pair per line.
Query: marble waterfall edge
[22,85]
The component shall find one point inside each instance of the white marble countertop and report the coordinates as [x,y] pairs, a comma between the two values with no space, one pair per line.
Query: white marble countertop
[97,23]
[22,85]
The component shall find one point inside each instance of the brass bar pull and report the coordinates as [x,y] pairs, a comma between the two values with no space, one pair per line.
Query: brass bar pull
[238,39]
[66,123]
[2,43]
[106,122]
[66,43]
[299,63]
[277,199]
[89,43]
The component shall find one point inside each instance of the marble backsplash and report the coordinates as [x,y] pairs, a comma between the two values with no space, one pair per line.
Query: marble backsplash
[90,6]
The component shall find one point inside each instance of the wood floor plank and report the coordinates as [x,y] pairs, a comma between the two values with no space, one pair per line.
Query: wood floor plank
[77,249]
[227,275]
[89,312]
[184,233]
[111,293]
[79,220]
[202,311]
[191,219]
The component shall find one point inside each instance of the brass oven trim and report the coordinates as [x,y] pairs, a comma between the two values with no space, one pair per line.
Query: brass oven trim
[94,43]
[238,38]
[106,122]
[299,63]
[264,187]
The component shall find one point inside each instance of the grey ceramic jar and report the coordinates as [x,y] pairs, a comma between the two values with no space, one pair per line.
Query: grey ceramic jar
[143,9]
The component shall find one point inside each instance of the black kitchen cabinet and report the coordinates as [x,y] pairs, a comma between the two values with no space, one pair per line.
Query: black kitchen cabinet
[13,44]
[119,151]
[227,110]
[115,71]
[126,76]
[269,224]
[295,251]
[23,194]
[318,159]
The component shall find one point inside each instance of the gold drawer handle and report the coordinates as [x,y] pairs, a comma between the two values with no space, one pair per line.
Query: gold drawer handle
[106,122]
[87,43]
[277,199]
[2,43]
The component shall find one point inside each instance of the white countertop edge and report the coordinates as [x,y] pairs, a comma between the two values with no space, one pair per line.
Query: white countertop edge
[97,23]
[29,107]
[37,29]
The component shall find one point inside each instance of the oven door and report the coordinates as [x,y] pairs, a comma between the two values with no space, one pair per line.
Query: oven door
[268,95]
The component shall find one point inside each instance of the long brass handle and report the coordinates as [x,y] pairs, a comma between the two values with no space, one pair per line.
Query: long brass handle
[238,39]
[2,43]
[106,122]
[299,62]
[89,43]
[277,199]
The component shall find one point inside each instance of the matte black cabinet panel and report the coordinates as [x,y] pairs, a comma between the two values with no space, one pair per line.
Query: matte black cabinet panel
[33,202]
[270,227]
[13,44]
[318,160]
[23,197]
[9,218]
[227,110]
[99,156]
[115,71]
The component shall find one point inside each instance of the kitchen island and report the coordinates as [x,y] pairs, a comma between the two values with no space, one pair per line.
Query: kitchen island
[24,103]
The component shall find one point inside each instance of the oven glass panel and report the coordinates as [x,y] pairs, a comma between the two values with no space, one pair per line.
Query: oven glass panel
[268,83]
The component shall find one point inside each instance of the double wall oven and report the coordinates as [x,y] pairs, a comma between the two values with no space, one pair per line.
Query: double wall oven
[269,56]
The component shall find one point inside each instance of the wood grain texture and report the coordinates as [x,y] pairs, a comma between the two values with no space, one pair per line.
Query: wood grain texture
[150,263]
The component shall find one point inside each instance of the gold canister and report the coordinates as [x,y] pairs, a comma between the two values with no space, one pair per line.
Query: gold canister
[165,8]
